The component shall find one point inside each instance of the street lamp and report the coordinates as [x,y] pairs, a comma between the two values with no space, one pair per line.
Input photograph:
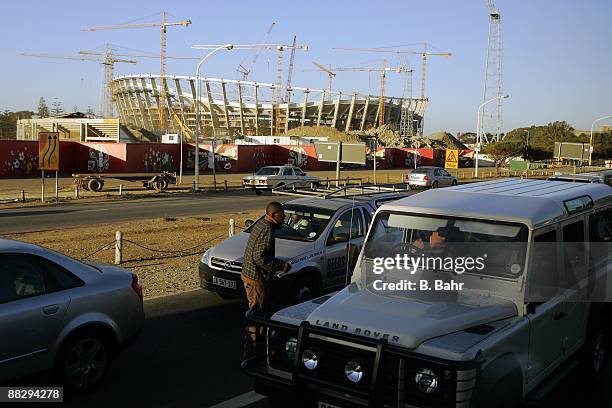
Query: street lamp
[591,142]
[478,127]
[197,124]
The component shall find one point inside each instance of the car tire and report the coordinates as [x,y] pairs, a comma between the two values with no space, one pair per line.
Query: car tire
[95,185]
[454,183]
[595,352]
[304,288]
[84,360]
[279,185]
[434,184]
[161,185]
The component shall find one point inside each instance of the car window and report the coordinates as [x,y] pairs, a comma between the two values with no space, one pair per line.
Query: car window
[367,216]
[26,275]
[600,226]
[349,223]
[299,172]
[444,172]
[437,172]
[287,172]
[267,171]
[573,251]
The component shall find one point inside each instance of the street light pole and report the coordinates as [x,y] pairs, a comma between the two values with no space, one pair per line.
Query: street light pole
[478,127]
[197,124]
[591,140]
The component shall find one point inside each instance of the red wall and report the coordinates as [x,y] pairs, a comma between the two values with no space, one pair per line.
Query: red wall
[20,158]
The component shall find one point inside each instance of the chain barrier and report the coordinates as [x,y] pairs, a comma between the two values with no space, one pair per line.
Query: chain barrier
[99,250]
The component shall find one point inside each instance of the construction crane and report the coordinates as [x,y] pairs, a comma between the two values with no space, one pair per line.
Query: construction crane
[108,61]
[276,90]
[330,75]
[424,55]
[290,71]
[383,73]
[492,117]
[246,71]
[163,25]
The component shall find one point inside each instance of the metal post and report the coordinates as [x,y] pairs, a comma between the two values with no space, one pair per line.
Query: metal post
[56,188]
[225,185]
[181,158]
[42,188]
[120,189]
[197,111]
[232,227]
[338,158]
[375,149]
[76,191]
[23,196]
[118,248]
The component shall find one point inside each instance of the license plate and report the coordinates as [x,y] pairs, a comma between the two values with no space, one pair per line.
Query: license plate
[226,283]
[323,404]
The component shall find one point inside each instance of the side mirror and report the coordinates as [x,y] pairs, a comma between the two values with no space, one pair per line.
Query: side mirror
[248,223]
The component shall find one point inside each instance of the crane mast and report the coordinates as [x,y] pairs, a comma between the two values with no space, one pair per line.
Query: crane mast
[492,113]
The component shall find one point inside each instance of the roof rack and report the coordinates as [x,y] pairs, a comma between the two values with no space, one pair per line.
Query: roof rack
[348,190]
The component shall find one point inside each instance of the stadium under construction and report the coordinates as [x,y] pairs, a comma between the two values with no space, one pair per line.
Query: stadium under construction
[232,108]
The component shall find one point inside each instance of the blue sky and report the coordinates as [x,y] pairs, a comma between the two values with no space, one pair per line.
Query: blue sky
[557,53]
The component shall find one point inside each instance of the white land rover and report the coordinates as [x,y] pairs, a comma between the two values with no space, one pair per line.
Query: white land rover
[321,238]
[519,301]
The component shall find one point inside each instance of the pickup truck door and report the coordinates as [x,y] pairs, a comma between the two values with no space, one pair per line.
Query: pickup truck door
[547,319]
[338,263]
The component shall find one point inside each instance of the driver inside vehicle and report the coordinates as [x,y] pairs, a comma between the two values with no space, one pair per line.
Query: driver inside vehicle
[434,241]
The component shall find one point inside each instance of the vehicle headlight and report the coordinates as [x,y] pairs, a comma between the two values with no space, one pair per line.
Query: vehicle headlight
[206,257]
[426,380]
[353,371]
[291,347]
[310,359]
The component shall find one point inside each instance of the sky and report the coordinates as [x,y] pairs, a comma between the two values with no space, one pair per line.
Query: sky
[557,54]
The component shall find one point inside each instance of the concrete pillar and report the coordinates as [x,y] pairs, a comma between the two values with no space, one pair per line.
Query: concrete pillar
[349,117]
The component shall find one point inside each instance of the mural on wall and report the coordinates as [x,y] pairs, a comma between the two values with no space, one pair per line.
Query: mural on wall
[154,160]
[411,156]
[224,156]
[21,161]
[258,158]
[298,156]
[99,159]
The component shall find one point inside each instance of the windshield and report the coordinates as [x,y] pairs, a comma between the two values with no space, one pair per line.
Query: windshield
[303,223]
[267,171]
[501,247]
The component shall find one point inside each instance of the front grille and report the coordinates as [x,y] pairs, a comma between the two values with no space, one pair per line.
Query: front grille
[232,266]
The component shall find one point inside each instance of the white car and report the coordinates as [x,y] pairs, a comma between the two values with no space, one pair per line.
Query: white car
[429,176]
[270,177]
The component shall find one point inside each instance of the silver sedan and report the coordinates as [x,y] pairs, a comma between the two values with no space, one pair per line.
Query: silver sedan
[429,176]
[62,314]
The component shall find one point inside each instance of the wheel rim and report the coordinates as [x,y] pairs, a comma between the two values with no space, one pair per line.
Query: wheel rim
[86,362]
[599,352]
[434,185]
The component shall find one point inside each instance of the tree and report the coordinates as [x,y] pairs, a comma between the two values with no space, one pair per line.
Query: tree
[468,138]
[542,139]
[43,109]
[8,123]
[503,150]
[56,107]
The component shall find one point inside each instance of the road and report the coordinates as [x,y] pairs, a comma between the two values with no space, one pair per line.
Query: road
[27,219]
[189,356]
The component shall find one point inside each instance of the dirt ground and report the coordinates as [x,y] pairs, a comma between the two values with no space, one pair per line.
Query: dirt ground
[162,273]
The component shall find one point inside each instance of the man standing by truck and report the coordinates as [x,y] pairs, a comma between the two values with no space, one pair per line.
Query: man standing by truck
[260,262]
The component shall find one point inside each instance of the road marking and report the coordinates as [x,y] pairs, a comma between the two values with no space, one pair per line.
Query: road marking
[243,400]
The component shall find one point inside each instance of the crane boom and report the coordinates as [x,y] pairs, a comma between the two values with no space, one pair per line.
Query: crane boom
[163,25]
[290,72]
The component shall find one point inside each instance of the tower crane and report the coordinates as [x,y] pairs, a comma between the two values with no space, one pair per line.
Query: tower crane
[290,72]
[245,71]
[383,73]
[330,75]
[424,55]
[108,61]
[163,25]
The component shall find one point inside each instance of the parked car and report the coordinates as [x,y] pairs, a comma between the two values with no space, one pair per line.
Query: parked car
[270,177]
[513,331]
[314,240]
[429,176]
[65,315]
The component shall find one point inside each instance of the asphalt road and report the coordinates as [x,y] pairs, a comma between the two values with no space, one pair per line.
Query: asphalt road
[189,356]
[27,219]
